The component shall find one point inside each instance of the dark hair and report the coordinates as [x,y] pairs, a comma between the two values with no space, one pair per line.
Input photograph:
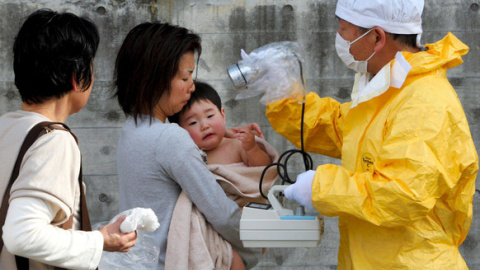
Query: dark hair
[147,62]
[50,49]
[203,91]
[407,40]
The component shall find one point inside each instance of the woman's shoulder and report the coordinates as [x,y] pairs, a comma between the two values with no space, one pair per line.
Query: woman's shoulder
[177,143]
[23,119]
[18,124]
[175,132]
[57,139]
[144,128]
[173,136]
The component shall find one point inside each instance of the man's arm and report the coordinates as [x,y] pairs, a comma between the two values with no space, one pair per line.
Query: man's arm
[323,123]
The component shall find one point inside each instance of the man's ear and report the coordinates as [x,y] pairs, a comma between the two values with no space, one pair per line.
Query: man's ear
[381,38]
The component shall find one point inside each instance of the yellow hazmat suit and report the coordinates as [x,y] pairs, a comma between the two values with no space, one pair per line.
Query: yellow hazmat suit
[405,188]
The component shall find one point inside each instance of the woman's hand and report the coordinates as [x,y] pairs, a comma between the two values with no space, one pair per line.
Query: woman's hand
[115,240]
[253,127]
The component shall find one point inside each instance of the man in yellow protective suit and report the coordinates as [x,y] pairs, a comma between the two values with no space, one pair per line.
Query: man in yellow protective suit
[404,191]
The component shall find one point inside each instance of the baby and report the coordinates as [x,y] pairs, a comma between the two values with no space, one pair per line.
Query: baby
[204,119]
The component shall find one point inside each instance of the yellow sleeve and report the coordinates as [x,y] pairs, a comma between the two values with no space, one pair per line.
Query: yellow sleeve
[323,123]
[426,159]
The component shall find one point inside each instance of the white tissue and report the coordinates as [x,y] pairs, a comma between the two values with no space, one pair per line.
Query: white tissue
[138,219]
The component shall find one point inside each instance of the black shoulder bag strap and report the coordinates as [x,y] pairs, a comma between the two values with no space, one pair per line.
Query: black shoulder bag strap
[37,131]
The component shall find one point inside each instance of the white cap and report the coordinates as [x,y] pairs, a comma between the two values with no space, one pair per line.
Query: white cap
[394,16]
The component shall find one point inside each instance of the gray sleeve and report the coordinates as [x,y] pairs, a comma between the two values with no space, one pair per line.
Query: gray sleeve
[180,158]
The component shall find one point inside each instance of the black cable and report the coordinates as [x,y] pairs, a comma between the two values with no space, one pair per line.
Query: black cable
[307,159]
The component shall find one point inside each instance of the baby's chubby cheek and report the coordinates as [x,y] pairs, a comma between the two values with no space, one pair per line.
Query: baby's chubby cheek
[197,138]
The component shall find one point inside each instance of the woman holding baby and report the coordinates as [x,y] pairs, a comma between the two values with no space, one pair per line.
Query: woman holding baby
[157,160]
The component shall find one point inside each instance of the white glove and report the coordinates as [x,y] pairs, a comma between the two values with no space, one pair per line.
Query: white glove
[301,190]
[138,219]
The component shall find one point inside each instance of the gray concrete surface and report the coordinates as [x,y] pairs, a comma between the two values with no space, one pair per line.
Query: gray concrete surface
[226,26]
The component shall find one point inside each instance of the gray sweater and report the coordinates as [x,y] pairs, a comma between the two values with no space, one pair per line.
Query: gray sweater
[155,163]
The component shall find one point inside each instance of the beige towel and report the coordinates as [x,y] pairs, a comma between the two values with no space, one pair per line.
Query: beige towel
[203,247]
[241,183]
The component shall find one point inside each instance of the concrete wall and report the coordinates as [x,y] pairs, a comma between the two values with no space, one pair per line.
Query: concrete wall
[226,26]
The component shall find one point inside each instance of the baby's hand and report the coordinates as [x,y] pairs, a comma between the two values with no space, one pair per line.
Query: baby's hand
[247,137]
[254,127]
[252,154]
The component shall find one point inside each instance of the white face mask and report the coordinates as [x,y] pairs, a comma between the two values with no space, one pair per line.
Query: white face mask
[343,50]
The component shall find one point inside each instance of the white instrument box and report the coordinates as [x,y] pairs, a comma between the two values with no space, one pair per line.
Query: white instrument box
[271,225]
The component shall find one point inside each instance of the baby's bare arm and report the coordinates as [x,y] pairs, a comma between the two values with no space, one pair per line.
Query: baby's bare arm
[257,157]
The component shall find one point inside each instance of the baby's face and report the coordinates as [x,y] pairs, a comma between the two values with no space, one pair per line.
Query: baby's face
[205,123]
